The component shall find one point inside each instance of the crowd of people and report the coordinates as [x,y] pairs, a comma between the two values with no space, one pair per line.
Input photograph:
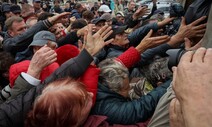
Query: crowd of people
[105,64]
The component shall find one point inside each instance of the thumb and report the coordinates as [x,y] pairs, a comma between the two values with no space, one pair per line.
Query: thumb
[149,34]
[183,22]
[187,43]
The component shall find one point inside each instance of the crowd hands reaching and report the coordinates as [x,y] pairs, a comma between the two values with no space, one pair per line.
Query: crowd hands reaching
[77,65]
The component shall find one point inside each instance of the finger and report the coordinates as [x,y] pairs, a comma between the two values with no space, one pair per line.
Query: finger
[196,22]
[149,34]
[183,22]
[187,43]
[52,61]
[106,31]
[208,56]
[199,55]
[172,113]
[174,69]
[201,31]
[107,35]
[90,27]
[199,35]
[102,29]
[199,27]
[159,38]
[162,41]
[187,57]
[109,41]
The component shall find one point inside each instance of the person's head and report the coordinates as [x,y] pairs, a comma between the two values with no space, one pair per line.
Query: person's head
[104,9]
[37,4]
[114,75]
[5,9]
[63,103]
[78,7]
[120,36]
[43,38]
[57,29]
[56,3]
[31,21]
[99,23]
[16,10]
[67,5]
[78,24]
[88,16]
[44,16]
[15,26]
[108,18]
[120,17]
[131,6]
[6,60]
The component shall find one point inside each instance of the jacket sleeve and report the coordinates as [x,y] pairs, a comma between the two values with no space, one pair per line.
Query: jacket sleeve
[13,112]
[136,36]
[150,53]
[70,38]
[21,42]
[135,111]
[73,68]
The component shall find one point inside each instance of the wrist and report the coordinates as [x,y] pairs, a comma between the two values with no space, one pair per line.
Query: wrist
[34,73]
[175,41]
[140,49]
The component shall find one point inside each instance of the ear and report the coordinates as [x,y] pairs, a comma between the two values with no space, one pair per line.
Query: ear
[10,33]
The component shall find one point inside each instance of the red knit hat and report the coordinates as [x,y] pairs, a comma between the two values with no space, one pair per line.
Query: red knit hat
[66,52]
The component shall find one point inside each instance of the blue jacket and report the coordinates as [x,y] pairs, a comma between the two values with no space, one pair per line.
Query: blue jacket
[121,110]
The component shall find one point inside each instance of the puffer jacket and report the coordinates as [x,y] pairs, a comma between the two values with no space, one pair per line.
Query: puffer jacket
[121,110]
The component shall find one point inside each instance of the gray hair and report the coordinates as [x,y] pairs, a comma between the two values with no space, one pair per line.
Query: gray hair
[112,74]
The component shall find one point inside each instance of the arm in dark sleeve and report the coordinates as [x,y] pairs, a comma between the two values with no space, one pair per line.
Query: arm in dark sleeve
[136,36]
[150,53]
[70,38]
[73,68]
[135,111]
[130,22]
[22,41]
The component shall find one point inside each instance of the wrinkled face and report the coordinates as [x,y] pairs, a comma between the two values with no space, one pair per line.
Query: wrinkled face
[121,40]
[86,110]
[131,6]
[57,30]
[126,88]
[17,28]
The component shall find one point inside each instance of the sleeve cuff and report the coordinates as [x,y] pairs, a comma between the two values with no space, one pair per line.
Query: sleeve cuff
[31,80]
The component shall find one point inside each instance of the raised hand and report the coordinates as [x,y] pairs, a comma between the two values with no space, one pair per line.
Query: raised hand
[194,29]
[94,43]
[192,85]
[57,18]
[141,11]
[150,42]
[42,58]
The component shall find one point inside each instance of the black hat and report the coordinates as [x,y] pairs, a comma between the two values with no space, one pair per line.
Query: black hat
[117,30]
[15,9]
[95,21]
[5,7]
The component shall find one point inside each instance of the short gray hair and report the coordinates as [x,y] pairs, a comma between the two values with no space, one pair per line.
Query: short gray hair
[112,74]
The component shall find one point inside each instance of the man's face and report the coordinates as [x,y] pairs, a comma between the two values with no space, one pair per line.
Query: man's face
[8,14]
[17,28]
[57,30]
[120,19]
[131,6]
[121,40]
[37,4]
[99,25]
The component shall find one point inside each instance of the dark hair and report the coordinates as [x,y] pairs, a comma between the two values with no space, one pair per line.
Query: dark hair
[88,15]
[59,105]
[77,6]
[44,16]
[6,60]
[78,24]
